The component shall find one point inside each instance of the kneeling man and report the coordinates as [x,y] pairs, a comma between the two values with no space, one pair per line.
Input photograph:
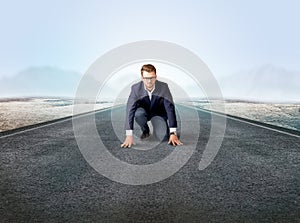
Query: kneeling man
[151,99]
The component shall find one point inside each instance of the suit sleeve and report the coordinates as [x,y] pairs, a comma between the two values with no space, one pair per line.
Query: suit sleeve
[130,110]
[170,108]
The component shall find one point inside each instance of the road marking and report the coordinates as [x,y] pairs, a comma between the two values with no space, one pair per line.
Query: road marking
[237,119]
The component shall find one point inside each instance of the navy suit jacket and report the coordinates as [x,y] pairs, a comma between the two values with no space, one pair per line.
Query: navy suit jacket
[161,103]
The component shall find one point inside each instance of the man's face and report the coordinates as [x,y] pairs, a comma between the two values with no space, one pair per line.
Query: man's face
[149,79]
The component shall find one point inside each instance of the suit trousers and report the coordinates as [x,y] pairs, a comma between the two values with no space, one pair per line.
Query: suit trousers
[160,125]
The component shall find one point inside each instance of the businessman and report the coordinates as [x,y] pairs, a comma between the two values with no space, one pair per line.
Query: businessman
[151,99]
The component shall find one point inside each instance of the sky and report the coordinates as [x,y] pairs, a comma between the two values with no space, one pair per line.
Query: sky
[229,36]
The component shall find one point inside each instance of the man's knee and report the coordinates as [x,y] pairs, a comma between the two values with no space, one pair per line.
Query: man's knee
[140,115]
[160,127]
[140,112]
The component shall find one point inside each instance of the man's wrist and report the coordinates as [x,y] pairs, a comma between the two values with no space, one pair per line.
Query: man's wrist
[129,132]
[173,130]
[173,133]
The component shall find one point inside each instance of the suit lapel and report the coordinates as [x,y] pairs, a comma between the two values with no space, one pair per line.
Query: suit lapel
[153,98]
[146,96]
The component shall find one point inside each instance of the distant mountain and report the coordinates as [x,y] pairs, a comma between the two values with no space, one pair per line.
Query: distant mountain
[266,83]
[40,81]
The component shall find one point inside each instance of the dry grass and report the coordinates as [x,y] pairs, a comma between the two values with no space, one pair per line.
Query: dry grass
[19,112]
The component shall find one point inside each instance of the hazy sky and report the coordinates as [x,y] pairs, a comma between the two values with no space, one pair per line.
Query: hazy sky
[227,35]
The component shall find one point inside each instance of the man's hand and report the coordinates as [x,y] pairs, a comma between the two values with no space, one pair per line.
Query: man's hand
[128,142]
[173,140]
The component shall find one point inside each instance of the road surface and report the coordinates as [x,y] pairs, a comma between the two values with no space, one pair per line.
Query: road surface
[254,177]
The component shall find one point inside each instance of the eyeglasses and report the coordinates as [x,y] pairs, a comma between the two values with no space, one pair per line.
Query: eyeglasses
[149,78]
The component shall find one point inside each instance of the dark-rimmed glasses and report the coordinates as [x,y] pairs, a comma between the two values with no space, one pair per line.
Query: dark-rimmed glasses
[149,78]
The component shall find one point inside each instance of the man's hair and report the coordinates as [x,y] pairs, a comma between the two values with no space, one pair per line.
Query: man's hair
[148,68]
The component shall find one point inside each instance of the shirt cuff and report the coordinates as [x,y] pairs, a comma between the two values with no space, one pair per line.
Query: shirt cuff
[129,132]
[173,129]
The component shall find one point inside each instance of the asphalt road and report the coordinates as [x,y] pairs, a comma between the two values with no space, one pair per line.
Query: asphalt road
[255,176]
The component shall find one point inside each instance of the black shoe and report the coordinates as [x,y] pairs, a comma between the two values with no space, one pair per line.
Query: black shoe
[144,135]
